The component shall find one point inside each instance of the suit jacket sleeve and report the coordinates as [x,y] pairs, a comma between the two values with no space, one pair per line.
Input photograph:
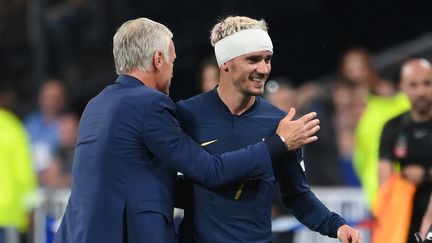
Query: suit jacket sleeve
[166,140]
[300,200]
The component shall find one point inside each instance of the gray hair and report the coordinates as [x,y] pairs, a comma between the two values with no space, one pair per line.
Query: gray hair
[135,43]
[234,24]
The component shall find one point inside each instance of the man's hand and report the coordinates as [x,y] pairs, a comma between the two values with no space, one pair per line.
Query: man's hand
[297,133]
[346,234]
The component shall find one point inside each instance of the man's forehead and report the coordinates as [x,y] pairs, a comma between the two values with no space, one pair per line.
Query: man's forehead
[418,75]
[415,68]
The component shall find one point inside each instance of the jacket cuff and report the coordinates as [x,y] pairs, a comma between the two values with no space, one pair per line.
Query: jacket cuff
[276,147]
[336,225]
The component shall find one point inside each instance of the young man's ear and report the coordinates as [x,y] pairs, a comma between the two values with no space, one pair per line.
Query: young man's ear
[224,67]
[158,59]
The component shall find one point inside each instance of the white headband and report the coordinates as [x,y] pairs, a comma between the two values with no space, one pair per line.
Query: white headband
[242,42]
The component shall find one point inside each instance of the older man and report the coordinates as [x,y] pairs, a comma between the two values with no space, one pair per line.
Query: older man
[130,147]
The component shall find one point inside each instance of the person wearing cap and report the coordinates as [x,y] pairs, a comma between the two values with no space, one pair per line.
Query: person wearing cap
[232,116]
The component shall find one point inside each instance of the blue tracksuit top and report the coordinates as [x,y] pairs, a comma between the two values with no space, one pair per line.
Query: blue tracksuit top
[241,212]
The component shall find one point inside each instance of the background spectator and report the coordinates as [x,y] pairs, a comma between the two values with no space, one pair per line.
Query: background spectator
[376,103]
[17,178]
[209,74]
[406,140]
[58,174]
[43,124]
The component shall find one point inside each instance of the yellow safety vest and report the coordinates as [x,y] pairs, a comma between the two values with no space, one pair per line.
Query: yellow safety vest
[378,111]
[17,177]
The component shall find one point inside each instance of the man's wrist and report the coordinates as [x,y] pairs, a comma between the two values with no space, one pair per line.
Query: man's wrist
[276,146]
[283,139]
[337,227]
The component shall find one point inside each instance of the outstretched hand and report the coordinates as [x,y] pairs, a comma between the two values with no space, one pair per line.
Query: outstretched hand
[347,234]
[297,133]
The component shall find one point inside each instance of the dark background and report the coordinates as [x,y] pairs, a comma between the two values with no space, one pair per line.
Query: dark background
[308,36]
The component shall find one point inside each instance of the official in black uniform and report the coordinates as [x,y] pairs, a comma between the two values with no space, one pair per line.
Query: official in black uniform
[407,138]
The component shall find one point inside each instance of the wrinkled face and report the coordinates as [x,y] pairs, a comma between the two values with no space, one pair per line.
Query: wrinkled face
[249,72]
[417,85]
[164,82]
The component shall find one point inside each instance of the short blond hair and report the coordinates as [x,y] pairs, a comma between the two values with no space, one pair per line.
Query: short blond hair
[234,24]
[135,43]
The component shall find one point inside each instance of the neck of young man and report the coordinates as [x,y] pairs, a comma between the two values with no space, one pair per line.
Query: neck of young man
[236,101]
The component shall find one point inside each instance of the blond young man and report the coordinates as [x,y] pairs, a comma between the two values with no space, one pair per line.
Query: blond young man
[232,116]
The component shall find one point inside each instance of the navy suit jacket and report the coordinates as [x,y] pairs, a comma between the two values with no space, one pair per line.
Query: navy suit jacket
[129,149]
